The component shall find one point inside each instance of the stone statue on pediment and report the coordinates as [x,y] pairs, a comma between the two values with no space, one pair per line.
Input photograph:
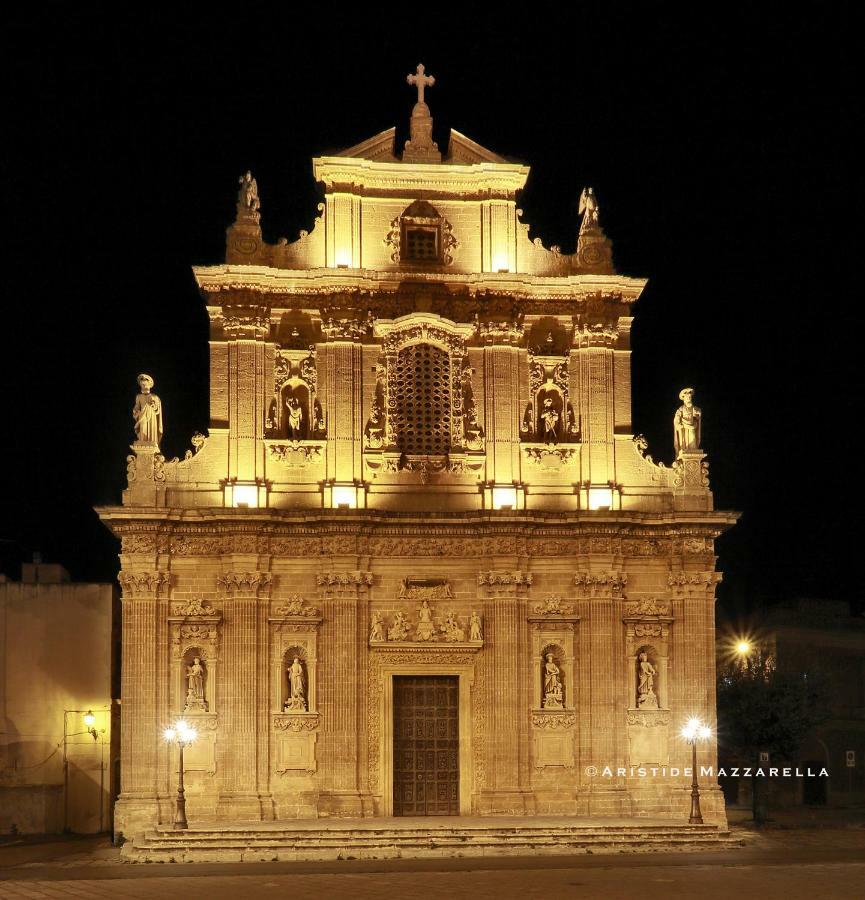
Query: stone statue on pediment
[147,413]
[588,209]
[687,423]
[248,203]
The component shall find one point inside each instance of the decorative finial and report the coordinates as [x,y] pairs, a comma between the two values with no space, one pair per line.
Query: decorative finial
[420,147]
[420,80]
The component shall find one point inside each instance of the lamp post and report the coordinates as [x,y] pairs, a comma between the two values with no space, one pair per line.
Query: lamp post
[181,734]
[695,731]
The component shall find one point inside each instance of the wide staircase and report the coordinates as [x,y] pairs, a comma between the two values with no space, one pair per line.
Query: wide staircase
[415,838]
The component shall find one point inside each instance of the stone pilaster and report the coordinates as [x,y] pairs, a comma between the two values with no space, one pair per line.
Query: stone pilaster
[501,406]
[344,381]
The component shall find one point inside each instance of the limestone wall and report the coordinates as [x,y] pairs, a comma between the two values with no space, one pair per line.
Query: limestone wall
[55,664]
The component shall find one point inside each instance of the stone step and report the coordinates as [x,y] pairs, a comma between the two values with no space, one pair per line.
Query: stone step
[164,845]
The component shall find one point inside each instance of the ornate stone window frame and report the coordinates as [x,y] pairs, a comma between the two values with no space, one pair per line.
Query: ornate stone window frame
[421,215]
[450,337]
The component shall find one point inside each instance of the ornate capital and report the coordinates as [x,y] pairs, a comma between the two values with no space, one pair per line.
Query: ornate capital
[143,584]
[506,332]
[245,584]
[609,584]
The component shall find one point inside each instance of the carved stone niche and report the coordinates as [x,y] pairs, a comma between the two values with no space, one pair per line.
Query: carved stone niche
[294,627]
[647,645]
[194,627]
[548,419]
[552,666]
[294,413]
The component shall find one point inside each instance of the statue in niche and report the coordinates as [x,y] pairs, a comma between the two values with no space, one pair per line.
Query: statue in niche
[319,425]
[553,697]
[475,633]
[400,629]
[376,632]
[686,423]
[550,418]
[296,688]
[294,420]
[247,196]
[452,630]
[572,421]
[147,413]
[425,628]
[474,431]
[374,431]
[646,697]
[195,686]
[528,426]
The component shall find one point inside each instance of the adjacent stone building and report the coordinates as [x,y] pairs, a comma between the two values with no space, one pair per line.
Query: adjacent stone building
[57,663]
[421,565]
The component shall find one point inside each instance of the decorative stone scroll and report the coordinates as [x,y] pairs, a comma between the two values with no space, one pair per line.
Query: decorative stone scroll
[143,584]
[649,718]
[553,607]
[551,719]
[296,454]
[296,607]
[648,607]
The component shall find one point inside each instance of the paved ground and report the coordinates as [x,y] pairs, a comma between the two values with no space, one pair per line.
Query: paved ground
[825,859]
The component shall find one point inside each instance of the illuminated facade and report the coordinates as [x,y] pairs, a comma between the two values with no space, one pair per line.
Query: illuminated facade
[422,561]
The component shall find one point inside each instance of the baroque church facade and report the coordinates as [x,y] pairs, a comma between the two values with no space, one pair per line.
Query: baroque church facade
[421,564]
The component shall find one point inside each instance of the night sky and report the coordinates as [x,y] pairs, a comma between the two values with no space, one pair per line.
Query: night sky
[721,152]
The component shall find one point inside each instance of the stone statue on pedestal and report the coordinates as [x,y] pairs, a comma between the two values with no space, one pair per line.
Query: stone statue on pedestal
[297,688]
[475,633]
[377,629]
[425,628]
[646,697]
[147,414]
[195,686]
[588,209]
[686,423]
[248,203]
[552,685]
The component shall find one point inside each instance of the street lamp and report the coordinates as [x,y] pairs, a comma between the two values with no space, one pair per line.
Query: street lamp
[181,734]
[90,724]
[743,648]
[695,731]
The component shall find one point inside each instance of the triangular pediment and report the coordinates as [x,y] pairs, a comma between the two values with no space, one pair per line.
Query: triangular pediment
[462,149]
[379,148]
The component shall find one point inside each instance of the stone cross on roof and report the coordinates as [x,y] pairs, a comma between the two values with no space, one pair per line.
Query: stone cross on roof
[421,81]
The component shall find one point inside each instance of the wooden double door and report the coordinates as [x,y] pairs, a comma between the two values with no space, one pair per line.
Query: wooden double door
[426,743]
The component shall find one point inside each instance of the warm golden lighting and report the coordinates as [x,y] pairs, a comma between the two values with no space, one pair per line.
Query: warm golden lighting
[695,730]
[504,498]
[344,496]
[500,263]
[743,648]
[89,719]
[600,498]
[343,258]
[245,495]
[169,734]
[182,732]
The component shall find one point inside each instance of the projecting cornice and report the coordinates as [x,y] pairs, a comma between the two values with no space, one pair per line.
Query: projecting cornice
[439,180]
[269,280]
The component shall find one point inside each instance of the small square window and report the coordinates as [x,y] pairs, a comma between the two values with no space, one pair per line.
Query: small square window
[421,243]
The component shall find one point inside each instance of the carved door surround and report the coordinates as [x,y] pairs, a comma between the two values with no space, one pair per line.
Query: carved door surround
[429,661]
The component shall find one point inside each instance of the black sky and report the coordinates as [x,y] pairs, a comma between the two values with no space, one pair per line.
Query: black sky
[720,144]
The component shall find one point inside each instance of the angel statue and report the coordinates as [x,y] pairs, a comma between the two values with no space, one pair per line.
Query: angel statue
[588,209]
[247,196]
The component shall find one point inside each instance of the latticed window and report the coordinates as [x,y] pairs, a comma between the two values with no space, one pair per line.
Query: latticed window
[422,413]
[421,243]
